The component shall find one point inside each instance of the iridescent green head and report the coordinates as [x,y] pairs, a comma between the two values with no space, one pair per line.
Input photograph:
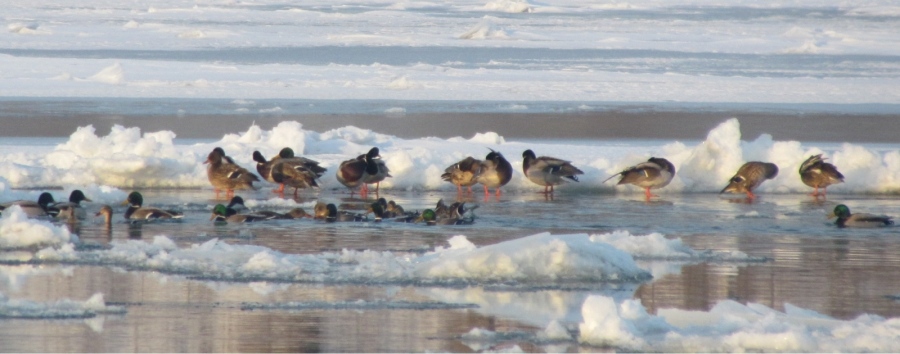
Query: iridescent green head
[841,211]
[135,199]
[286,153]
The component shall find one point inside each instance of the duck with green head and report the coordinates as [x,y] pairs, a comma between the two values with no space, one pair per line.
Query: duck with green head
[72,208]
[334,215]
[137,212]
[846,219]
[221,213]
[33,209]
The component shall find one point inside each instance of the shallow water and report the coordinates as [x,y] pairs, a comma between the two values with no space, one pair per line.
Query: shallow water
[808,263]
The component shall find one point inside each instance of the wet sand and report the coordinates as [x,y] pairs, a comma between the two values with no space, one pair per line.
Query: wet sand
[820,127]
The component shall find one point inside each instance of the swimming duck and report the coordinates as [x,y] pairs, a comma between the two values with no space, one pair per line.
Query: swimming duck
[137,212]
[34,209]
[496,172]
[107,213]
[222,213]
[394,210]
[656,173]
[334,215]
[72,208]
[750,176]
[846,219]
[363,170]
[817,173]
[463,173]
[227,176]
[548,171]
[428,216]
[320,211]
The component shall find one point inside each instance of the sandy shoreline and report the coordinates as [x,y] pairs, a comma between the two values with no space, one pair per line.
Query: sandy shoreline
[582,125]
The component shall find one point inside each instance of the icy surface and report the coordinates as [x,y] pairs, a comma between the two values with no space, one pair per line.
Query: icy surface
[841,52]
[12,308]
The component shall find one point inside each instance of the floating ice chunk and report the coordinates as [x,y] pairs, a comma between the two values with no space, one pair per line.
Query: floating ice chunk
[18,231]
[729,327]
[60,309]
[537,258]
[555,331]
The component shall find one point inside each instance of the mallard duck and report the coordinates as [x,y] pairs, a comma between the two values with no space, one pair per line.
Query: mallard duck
[72,208]
[287,169]
[750,176]
[222,213]
[334,215]
[817,173]
[137,212]
[225,158]
[31,208]
[264,167]
[363,170]
[846,219]
[496,172]
[227,176]
[656,173]
[320,211]
[548,171]
[454,214]
[382,171]
[236,204]
[428,216]
[394,210]
[107,213]
[463,173]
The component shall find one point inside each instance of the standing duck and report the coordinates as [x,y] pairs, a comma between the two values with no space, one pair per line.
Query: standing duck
[34,209]
[846,219]
[750,176]
[463,173]
[496,172]
[656,173]
[227,176]
[363,170]
[137,212]
[548,171]
[817,173]
[287,169]
[72,208]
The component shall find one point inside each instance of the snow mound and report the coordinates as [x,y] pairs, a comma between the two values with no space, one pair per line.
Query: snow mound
[18,231]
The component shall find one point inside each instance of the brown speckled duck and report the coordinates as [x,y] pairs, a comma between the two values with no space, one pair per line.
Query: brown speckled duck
[656,173]
[817,173]
[463,173]
[227,176]
[750,176]
[548,171]
[496,172]
[363,170]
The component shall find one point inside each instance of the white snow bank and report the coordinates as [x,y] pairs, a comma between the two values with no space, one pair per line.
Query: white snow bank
[656,246]
[537,259]
[11,308]
[128,158]
[18,231]
[732,327]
